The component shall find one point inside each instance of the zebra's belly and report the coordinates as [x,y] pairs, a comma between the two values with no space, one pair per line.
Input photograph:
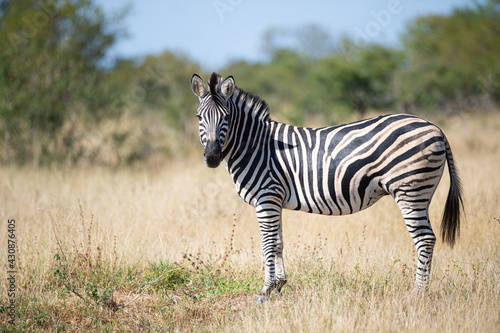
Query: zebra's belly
[330,201]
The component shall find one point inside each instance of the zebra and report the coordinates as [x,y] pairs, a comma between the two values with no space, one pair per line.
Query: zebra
[334,170]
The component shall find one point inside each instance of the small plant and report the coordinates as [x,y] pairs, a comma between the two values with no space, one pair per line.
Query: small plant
[214,275]
[458,269]
[82,274]
[163,276]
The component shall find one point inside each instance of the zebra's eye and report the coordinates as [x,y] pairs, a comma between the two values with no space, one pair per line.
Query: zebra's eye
[198,116]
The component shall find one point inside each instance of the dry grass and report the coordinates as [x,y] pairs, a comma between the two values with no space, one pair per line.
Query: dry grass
[176,250]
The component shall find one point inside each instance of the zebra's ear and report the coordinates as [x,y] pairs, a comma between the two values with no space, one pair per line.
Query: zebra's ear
[198,86]
[227,87]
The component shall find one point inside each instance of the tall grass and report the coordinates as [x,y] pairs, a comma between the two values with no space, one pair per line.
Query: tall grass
[175,249]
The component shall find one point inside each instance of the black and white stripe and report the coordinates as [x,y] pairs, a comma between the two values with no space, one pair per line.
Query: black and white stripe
[331,170]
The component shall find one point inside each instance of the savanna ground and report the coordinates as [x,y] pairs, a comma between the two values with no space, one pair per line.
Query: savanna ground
[175,249]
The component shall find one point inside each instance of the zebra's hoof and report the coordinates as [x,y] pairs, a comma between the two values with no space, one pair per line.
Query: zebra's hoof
[260,300]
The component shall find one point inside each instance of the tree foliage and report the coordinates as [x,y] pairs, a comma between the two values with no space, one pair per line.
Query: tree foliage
[363,80]
[49,71]
[453,58]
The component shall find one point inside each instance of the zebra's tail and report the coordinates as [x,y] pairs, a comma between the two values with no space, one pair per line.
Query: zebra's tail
[450,225]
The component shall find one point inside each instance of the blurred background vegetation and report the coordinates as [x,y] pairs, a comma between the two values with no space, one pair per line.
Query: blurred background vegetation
[62,101]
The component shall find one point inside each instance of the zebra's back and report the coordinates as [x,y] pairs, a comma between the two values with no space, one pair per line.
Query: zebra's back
[344,169]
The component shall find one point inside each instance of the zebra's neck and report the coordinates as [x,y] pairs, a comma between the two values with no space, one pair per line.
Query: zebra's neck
[248,131]
[250,105]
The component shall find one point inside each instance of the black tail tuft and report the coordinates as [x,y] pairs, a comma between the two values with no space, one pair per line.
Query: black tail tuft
[450,225]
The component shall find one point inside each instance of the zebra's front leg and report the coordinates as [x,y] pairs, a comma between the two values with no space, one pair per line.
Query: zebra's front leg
[269,217]
[280,265]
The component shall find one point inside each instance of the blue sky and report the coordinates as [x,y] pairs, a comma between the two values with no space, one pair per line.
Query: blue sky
[216,32]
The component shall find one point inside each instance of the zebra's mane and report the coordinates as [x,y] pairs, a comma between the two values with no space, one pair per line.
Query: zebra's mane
[214,82]
[250,104]
[245,101]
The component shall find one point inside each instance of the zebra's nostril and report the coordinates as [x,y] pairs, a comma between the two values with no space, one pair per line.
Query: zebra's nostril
[212,161]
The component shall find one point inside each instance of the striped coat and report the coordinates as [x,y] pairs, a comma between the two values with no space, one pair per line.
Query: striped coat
[332,170]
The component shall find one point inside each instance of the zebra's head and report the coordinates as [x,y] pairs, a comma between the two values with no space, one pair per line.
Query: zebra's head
[213,114]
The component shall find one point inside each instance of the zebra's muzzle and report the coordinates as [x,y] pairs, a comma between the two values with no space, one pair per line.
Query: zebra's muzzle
[212,154]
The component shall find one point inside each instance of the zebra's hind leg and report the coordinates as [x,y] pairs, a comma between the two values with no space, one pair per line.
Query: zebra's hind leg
[416,217]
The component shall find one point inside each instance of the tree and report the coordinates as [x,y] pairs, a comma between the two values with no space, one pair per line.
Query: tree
[155,83]
[362,80]
[453,58]
[50,73]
